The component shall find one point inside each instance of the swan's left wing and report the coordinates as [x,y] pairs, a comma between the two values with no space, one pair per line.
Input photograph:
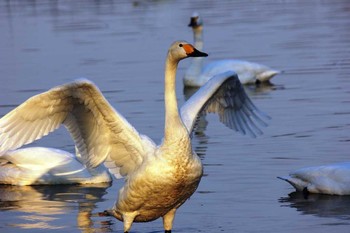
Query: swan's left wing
[100,133]
[224,95]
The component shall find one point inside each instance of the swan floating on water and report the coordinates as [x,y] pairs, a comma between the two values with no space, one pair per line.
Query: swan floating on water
[47,166]
[333,179]
[196,75]
[158,179]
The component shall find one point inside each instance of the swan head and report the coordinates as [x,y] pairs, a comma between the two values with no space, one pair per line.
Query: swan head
[196,21]
[182,49]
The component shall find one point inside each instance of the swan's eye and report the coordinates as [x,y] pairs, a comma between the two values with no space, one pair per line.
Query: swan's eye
[180,45]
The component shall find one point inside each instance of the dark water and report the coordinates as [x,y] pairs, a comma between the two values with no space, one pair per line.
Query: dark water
[121,46]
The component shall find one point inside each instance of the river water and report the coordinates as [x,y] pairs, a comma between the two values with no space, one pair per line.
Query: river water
[121,46]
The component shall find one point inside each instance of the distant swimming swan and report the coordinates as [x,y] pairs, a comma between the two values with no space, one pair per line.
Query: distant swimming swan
[158,179]
[196,75]
[331,179]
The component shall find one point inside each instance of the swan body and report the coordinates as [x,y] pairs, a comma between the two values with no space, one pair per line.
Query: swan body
[158,178]
[197,74]
[46,166]
[331,179]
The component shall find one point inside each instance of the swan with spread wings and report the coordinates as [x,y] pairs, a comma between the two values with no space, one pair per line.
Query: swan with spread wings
[158,178]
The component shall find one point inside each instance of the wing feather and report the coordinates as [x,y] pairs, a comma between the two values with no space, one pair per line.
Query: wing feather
[96,128]
[224,95]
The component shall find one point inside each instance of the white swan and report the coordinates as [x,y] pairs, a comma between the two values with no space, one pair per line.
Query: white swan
[331,179]
[46,166]
[158,179]
[196,75]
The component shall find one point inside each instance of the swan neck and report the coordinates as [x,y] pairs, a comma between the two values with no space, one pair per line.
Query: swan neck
[174,127]
[195,68]
[198,37]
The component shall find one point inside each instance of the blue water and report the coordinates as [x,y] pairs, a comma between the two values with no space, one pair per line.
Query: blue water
[121,46]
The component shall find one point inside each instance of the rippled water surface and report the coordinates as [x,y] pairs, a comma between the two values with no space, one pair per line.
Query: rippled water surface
[121,46]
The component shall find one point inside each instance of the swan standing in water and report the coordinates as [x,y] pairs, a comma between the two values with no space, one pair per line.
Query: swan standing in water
[196,75]
[158,179]
[331,179]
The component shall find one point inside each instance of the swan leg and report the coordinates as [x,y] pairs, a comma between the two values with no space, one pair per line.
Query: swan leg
[128,219]
[168,219]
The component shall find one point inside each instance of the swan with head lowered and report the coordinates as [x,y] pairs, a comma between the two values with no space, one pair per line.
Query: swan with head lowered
[333,179]
[158,179]
[47,166]
[197,74]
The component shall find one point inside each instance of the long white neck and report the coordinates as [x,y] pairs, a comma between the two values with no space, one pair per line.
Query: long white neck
[195,68]
[198,37]
[174,127]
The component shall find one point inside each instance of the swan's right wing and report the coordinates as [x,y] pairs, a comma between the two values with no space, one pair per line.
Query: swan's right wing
[224,95]
[100,133]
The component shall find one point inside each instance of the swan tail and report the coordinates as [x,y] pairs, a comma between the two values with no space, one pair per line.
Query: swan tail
[298,184]
[267,75]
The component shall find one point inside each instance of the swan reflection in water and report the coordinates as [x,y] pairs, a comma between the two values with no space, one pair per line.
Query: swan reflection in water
[262,88]
[39,207]
[320,205]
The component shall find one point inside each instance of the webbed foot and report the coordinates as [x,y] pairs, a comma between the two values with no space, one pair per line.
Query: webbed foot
[104,213]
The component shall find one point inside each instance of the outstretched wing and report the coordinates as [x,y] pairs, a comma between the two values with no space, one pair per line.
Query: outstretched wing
[224,95]
[100,133]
